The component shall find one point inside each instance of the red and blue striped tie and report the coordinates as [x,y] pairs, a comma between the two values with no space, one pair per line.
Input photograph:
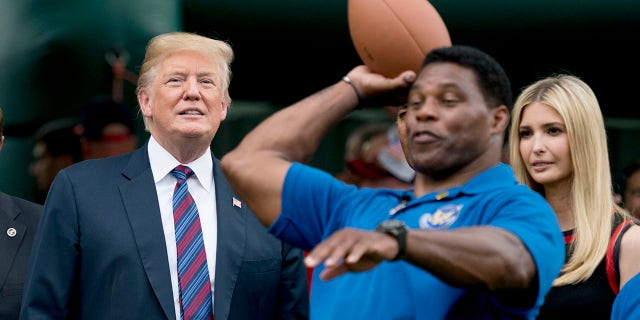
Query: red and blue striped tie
[193,273]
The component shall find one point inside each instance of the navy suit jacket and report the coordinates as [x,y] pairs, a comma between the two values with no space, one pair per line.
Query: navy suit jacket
[18,223]
[100,252]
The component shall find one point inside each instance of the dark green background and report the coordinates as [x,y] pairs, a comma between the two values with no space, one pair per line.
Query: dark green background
[52,58]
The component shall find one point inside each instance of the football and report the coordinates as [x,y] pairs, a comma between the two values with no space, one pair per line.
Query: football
[392,36]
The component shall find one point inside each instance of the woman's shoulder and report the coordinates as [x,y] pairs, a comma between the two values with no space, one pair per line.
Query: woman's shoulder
[629,254]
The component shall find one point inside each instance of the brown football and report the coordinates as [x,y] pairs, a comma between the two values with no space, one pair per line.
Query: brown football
[392,36]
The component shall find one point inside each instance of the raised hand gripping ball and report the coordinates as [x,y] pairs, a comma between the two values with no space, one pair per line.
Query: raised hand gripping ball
[392,36]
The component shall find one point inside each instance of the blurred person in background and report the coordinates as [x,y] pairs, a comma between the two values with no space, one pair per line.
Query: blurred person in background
[373,160]
[57,146]
[107,128]
[630,188]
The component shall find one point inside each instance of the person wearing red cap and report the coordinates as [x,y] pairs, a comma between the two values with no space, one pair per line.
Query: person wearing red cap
[107,129]
[371,161]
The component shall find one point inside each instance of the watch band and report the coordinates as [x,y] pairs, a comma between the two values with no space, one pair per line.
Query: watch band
[398,230]
[402,245]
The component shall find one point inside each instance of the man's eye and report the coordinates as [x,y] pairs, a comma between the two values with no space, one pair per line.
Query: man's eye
[414,103]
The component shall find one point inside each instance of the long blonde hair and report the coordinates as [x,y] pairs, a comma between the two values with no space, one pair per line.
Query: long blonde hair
[591,187]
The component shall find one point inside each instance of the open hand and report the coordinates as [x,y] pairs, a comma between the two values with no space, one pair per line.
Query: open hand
[351,250]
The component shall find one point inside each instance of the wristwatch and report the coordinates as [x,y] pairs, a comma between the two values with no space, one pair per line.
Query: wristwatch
[398,230]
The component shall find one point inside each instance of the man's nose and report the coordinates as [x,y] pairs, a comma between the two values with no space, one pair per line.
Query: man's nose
[191,91]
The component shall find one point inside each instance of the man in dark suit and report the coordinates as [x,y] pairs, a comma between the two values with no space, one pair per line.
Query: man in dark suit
[107,246]
[18,223]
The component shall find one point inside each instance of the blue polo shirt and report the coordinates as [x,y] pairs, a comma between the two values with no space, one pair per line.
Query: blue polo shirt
[627,303]
[315,204]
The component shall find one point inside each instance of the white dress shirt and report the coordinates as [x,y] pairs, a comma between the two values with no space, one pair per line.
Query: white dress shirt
[202,189]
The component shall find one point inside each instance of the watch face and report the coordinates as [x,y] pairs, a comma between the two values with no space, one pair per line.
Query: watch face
[393,224]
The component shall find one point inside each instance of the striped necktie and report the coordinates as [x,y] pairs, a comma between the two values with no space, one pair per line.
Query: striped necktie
[193,273]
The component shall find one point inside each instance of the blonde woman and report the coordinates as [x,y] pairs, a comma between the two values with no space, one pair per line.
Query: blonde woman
[558,147]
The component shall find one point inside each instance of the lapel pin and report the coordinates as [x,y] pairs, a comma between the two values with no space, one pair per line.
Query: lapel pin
[11,232]
[237,203]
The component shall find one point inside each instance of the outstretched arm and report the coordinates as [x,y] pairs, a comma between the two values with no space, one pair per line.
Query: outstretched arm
[257,167]
[480,257]
[468,257]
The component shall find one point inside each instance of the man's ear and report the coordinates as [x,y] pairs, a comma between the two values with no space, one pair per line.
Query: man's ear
[500,119]
[145,103]
[224,109]
[1,141]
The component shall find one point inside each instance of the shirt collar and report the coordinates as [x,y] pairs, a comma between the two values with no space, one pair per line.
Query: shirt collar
[162,162]
[490,179]
[493,178]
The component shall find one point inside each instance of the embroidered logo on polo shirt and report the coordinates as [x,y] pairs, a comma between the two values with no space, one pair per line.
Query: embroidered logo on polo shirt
[444,217]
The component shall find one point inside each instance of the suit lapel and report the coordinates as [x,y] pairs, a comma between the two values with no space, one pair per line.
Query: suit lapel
[231,241]
[9,244]
[141,204]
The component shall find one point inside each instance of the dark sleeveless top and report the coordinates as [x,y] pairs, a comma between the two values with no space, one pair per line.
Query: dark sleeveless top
[590,299]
